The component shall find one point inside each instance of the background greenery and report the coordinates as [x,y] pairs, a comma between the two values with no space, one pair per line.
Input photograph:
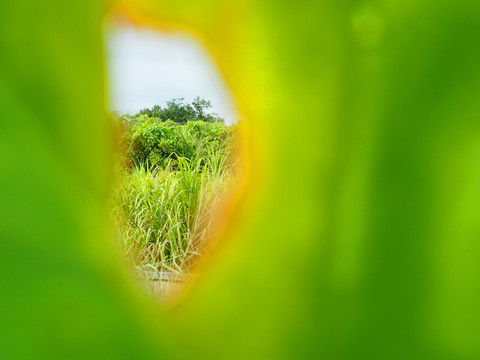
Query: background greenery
[156,140]
[177,111]
[171,176]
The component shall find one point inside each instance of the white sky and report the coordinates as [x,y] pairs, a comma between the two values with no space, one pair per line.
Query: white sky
[147,68]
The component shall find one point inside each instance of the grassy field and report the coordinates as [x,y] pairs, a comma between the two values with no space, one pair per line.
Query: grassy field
[162,208]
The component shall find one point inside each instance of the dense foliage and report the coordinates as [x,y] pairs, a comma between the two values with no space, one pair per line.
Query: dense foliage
[178,111]
[172,176]
[151,142]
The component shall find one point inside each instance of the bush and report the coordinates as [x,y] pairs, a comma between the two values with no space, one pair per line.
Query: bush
[153,143]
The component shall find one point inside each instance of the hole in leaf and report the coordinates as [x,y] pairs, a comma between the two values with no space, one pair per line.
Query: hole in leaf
[177,130]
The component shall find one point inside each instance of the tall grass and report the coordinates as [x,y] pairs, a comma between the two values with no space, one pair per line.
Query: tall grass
[163,215]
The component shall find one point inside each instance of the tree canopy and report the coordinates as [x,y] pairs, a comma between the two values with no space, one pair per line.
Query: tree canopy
[180,112]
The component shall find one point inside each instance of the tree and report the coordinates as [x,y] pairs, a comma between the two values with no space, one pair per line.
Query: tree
[179,112]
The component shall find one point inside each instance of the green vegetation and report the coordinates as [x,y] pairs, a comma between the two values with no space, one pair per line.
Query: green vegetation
[171,176]
[179,112]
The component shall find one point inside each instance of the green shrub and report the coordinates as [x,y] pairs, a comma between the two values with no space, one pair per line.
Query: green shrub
[173,175]
[151,142]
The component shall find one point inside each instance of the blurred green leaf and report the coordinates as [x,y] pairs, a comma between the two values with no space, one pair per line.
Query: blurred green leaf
[356,235]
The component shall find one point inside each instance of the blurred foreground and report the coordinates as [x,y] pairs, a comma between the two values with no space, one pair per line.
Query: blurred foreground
[354,229]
